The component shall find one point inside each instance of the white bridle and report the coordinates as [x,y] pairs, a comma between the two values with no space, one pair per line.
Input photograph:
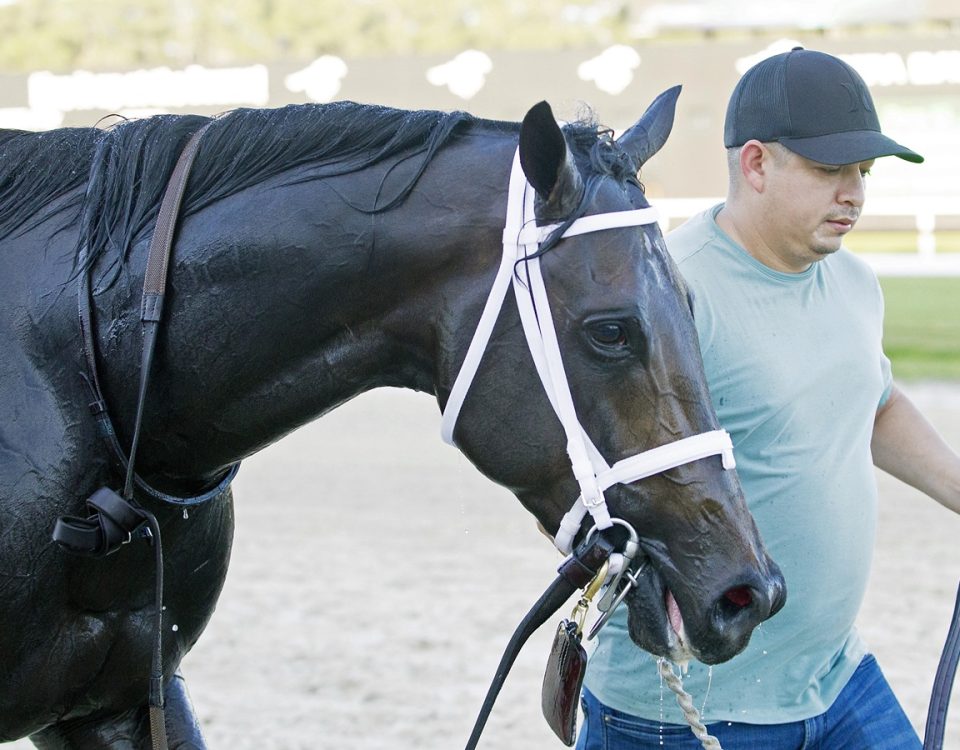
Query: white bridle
[521,239]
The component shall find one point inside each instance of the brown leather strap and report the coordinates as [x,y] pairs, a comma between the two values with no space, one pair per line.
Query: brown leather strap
[155,283]
[116,517]
[158,257]
[151,308]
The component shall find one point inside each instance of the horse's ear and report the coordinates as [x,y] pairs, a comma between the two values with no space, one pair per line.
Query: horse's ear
[548,165]
[649,134]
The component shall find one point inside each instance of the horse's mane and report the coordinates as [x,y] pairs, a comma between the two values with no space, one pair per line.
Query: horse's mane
[126,167]
[37,168]
[241,149]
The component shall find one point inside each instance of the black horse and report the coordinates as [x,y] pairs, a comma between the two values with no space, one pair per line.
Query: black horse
[323,251]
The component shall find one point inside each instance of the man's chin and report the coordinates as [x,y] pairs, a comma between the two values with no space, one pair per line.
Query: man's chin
[824,250]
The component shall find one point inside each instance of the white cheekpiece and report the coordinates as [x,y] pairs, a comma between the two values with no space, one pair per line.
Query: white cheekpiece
[521,239]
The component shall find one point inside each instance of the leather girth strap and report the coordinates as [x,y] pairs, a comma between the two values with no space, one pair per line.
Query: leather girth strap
[575,573]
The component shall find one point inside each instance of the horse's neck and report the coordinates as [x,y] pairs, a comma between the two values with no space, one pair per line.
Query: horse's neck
[287,302]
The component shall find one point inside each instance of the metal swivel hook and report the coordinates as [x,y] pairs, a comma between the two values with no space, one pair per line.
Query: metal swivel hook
[626,579]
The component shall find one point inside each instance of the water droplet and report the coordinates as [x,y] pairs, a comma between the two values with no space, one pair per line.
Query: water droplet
[185,514]
[706,694]
[175,628]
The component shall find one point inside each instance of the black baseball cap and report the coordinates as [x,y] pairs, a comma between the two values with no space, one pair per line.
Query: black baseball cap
[814,104]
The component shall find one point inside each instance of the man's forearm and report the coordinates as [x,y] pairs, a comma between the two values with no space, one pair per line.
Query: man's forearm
[908,447]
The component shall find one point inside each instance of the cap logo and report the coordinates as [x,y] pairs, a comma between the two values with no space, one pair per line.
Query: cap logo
[858,96]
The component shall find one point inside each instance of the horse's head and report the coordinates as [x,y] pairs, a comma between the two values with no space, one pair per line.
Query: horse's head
[629,348]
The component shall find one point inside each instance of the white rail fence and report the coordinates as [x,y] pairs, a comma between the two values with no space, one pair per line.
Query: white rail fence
[922,214]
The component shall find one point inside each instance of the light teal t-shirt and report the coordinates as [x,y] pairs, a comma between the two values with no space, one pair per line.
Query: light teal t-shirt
[796,373]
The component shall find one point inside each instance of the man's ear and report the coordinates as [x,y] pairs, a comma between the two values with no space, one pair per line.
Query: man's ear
[755,160]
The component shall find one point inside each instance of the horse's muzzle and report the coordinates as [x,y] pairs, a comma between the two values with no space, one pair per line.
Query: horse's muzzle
[738,611]
[682,622]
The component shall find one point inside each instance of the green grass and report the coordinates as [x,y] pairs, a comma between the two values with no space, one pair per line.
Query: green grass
[895,241]
[922,327]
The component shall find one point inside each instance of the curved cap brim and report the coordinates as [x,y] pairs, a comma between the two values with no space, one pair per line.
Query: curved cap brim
[849,147]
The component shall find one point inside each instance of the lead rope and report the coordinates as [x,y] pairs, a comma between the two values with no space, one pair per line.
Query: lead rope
[685,701]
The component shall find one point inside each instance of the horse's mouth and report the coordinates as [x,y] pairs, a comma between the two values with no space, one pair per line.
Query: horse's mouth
[655,621]
[661,624]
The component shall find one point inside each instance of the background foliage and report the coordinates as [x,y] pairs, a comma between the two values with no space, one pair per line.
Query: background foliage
[922,334]
[66,34]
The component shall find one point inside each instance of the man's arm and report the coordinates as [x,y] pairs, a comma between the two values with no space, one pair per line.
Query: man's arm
[907,446]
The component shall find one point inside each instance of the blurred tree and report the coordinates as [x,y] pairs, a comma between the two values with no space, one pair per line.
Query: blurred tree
[60,35]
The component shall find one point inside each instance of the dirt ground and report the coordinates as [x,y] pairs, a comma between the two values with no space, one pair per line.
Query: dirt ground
[376,577]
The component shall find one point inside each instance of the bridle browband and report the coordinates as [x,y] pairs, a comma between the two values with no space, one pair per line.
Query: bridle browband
[521,241]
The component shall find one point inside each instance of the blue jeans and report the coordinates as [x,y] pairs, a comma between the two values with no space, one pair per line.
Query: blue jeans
[865,716]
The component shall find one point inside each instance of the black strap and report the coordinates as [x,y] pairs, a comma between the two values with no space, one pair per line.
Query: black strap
[114,518]
[576,572]
[111,523]
[151,308]
[943,684]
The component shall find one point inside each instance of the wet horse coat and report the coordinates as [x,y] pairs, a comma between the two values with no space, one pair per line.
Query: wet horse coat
[322,252]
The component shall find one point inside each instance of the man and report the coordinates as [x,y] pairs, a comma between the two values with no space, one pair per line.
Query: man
[790,328]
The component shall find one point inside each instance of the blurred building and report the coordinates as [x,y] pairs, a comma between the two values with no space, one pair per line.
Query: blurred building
[909,53]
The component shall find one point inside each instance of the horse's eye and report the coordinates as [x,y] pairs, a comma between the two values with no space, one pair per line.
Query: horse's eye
[609,334]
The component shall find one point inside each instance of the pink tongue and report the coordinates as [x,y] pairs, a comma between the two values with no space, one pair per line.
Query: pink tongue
[673,613]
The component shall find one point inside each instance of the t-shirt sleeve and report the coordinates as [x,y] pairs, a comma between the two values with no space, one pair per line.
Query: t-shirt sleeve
[886,369]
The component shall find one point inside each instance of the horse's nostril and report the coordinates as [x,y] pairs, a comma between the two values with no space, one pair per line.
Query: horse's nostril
[740,596]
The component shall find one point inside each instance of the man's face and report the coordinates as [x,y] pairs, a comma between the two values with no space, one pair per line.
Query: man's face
[810,206]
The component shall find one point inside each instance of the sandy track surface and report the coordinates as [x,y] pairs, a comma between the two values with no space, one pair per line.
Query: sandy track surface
[376,577]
